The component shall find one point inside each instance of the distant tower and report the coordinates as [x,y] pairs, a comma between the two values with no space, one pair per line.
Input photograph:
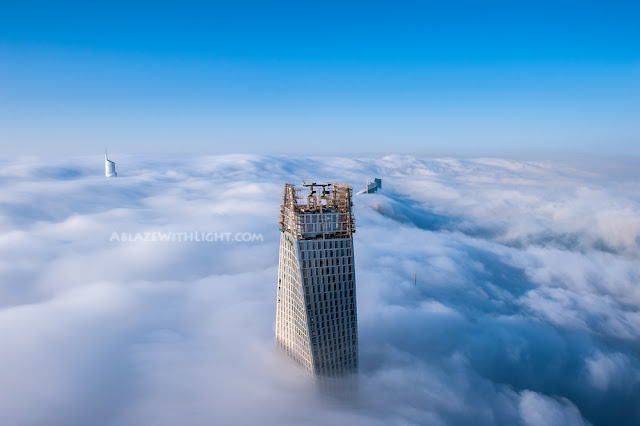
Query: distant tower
[316,320]
[371,187]
[109,166]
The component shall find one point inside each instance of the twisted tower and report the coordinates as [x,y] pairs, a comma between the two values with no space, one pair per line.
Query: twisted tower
[317,317]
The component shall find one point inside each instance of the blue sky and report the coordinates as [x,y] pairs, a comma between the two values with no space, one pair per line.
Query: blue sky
[457,78]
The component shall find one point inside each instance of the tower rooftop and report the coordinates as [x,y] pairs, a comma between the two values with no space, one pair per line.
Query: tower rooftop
[324,213]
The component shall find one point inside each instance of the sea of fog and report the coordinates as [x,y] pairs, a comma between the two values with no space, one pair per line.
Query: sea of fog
[489,291]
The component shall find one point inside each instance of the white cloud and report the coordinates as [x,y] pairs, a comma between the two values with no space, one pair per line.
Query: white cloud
[611,371]
[542,410]
[490,291]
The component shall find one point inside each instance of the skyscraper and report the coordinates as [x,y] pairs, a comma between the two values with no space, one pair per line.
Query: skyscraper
[109,166]
[316,319]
